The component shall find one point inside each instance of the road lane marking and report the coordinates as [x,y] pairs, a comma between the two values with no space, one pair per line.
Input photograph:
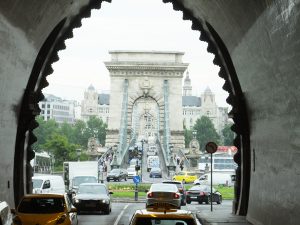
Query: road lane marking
[120,215]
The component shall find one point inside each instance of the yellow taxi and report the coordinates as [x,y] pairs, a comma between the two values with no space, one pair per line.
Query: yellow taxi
[185,177]
[46,209]
[163,216]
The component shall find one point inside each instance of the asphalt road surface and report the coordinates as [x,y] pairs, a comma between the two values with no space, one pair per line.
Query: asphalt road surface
[122,213]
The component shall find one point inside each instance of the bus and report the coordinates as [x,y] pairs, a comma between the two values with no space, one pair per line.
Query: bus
[222,162]
[41,163]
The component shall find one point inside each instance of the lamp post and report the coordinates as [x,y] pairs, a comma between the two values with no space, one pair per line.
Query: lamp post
[142,159]
[78,153]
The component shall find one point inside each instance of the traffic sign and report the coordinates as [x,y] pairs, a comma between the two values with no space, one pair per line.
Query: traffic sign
[211,147]
[136,179]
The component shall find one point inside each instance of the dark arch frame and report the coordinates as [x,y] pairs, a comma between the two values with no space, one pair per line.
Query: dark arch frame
[48,55]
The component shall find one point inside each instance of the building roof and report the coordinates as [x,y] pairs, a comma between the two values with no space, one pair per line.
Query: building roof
[191,101]
[103,99]
[91,88]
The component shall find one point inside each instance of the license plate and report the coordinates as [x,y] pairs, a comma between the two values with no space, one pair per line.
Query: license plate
[91,204]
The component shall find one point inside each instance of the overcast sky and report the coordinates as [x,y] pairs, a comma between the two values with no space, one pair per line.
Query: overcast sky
[130,25]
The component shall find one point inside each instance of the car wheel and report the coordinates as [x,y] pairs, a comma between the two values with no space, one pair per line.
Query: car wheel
[200,202]
[107,180]
[106,210]
[188,201]
[207,200]
[220,200]
[125,179]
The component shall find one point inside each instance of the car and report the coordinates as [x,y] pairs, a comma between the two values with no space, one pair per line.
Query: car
[117,175]
[226,179]
[51,184]
[93,197]
[50,209]
[181,189]
[155,172]
[5,214]
[185,177]
[163,216]
[131,172]
[161,194]
[201,193]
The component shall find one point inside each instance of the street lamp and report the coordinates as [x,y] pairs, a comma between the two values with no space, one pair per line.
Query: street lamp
[142,159]
[78,153]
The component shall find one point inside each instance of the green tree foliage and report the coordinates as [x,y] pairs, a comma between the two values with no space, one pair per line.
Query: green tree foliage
[96,128]
[62,140]
[228,134]
[205,132]
[187,137]
[43,132]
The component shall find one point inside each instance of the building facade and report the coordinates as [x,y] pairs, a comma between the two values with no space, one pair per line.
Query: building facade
[95,104]
[194,107]
[53,107]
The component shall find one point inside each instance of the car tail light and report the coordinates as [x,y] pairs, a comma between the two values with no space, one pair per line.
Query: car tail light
[188,192]
[61,219]
[176,195]
[150,195]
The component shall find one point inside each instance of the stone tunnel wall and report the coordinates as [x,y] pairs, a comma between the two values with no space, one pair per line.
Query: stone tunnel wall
[263,40]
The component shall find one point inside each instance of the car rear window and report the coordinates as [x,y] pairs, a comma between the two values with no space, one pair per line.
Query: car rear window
[41,205]
[191,174]
[162,221]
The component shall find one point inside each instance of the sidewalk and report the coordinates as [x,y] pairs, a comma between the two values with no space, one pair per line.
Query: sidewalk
[221,217]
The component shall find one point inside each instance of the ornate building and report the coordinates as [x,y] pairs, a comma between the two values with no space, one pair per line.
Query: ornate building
[95,104]
[195,107]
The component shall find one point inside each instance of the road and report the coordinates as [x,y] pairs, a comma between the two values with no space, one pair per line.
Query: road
[122,213]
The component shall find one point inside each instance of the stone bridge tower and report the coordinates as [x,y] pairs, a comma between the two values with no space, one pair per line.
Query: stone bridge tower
[153,96]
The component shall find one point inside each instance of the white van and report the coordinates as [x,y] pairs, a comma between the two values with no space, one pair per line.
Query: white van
[218,179]
[48,184]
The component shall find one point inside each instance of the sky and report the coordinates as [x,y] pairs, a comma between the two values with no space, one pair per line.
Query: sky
[130,25]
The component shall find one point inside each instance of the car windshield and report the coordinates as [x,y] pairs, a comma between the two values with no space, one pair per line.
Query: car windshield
[37,183]
[155,169]
[41,205]
[114,171]
[169,221]
[84,179]
[163,187]
[92,189]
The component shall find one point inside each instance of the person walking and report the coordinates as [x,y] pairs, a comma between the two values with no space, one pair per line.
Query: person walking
[181,165]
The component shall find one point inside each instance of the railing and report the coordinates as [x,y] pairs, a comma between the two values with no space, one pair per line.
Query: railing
[123,146]
[166,135]
[187,162]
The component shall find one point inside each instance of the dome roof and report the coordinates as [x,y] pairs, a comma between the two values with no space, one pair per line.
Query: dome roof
[91,88]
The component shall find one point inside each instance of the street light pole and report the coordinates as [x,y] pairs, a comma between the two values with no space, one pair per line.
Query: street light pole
[142,160]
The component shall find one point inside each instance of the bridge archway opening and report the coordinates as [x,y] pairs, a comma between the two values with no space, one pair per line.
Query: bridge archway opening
[42,68]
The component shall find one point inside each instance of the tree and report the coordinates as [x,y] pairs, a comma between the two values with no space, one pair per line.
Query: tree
[205,132]
[228,134]
[187,136]
[43,132]
[96,128]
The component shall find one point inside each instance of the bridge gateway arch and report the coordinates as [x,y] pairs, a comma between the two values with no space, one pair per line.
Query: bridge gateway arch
[255,44]
[146,88]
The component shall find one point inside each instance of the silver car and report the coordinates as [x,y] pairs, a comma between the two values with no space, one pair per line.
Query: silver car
[162,195]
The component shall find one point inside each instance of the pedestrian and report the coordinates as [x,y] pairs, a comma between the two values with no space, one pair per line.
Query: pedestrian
[181,165]
[177,160]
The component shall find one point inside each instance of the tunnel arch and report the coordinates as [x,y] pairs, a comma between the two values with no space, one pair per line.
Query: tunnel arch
[63,31]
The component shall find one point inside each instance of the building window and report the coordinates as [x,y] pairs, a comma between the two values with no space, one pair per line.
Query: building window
[48,111]
[43,106]
[48,106]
